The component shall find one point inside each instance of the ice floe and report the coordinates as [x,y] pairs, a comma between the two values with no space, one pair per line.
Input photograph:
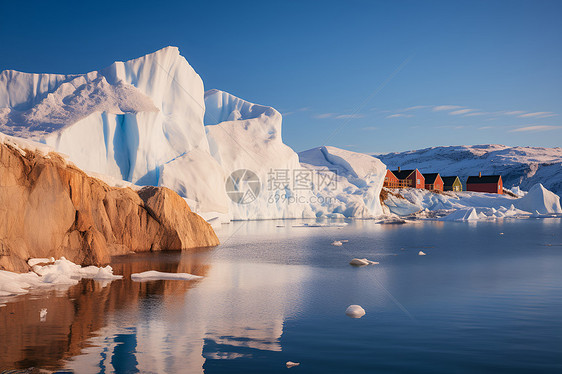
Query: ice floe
[157,275]
[355,311]
[61,274]
[362,262]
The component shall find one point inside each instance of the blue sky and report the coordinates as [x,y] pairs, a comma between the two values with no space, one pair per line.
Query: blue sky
[369,76]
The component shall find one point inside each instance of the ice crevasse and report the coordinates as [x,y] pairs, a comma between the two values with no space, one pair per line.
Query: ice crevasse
[149,121]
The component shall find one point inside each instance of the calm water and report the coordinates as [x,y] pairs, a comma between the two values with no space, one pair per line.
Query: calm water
[479,302]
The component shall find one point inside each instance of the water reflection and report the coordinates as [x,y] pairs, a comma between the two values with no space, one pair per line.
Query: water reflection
[485,295]
[84,310]
[236,305]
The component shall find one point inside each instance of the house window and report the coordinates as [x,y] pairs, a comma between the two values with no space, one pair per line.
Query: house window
[418,181]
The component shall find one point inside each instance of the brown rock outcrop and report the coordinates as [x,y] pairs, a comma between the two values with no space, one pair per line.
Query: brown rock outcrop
[50,208]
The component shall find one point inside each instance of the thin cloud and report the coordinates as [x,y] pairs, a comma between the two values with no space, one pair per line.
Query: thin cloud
[324,115]
[538,115]
[475,114]
[485,128]
[439,108]
[370,128]
[461,111]
[514,113]
[397,115]
[349,116]
[416,107]
[536,128]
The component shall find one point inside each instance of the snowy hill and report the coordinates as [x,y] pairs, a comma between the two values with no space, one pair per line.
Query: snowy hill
[518,166]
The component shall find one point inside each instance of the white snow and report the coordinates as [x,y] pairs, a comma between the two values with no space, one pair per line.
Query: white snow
[467,206]
[337,243]
[362,262]
[355,311]
[421,253]
[157,275]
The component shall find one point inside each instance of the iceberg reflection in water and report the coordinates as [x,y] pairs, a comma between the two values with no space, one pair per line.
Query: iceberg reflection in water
[486,298]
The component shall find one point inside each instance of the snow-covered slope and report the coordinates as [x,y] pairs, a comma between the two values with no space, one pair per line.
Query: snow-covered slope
[518,166]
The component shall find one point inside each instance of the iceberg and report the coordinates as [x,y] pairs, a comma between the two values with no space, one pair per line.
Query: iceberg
[540,200]
[356,182]
[149,121]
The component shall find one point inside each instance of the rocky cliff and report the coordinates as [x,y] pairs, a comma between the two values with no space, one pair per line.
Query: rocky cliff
[49,207]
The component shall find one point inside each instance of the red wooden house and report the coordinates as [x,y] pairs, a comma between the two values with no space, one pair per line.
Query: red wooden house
[390,180]
[485,183]
[409,178]
[433,182]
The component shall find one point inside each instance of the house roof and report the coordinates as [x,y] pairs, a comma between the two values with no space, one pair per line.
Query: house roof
[430,177]
[403,174]
[448,181]
[475,179]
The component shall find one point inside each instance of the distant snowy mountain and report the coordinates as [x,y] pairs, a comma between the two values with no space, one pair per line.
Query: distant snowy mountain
[518,166]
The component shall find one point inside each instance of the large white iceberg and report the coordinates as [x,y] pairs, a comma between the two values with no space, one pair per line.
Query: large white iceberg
[148,121]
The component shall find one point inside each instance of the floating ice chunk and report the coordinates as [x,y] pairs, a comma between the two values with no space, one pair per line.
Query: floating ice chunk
[421,253]
[362,262]
[43,315]
[58,278]
[157,275]
[59,273]
[501,233]
[106,273]
[344,241]
[355,311]
[337,243]
[291,364]
[465,214]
